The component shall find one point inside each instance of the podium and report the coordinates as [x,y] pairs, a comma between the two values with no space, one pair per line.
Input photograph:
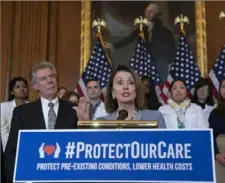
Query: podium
[115,151]
[115,124]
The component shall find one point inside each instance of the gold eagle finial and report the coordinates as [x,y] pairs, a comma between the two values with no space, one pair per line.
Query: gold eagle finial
[181,19]
[98,23]
[141,21]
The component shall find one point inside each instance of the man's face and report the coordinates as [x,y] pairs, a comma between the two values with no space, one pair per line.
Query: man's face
[46,83]
[93,90]
[150,12]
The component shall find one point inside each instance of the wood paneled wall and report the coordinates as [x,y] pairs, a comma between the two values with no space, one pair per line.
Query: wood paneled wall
[215,30]
[37,31]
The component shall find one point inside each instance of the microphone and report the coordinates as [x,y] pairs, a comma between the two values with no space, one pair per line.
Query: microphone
[122,114]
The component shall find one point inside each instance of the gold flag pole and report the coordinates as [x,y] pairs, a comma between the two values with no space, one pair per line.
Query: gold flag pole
[140,21]
[98,23]
[181,20]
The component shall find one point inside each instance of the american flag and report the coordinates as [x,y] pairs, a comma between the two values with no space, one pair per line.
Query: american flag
[142,63]
[217,73]
[184,67]
[98,68]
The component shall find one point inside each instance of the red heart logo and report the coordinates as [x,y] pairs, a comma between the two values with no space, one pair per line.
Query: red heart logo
[49,149]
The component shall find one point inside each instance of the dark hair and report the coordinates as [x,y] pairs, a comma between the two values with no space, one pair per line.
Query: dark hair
[174,81]
[90,80]
[12,83]
[221,101]
[201,83]
[62,87]
[111,104]
[68,94]
[151,98]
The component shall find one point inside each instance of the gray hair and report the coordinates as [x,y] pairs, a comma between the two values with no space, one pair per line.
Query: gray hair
[156,8]
[41,65]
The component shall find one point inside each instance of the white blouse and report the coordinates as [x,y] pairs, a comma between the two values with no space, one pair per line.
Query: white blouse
[194,117]
[6,117]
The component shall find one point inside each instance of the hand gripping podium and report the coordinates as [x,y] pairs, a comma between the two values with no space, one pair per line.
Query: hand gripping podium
[115,151]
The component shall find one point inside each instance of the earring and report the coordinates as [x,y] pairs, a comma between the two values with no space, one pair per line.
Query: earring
[113,97]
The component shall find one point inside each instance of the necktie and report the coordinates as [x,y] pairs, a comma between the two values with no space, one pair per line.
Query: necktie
[92,110]
[51,116]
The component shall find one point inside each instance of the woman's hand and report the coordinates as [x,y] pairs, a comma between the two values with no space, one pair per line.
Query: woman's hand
[82,109]
[221,159]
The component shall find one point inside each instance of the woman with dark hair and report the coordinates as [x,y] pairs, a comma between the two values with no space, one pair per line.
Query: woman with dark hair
[203,96]
[71,96]
[18,95]
[61,91]
[125,95]
[151,99]
[217,123]
[180,112]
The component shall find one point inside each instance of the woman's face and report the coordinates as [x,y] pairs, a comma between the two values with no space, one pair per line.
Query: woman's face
[20,90]
[124,89]
[222,89]
[178,92]
[61,92]
[203,93]
[74,99]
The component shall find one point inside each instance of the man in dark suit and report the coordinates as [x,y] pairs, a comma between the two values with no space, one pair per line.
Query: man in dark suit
[159,40]
[48,112]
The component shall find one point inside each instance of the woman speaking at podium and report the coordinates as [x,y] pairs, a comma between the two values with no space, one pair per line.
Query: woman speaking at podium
[124,99]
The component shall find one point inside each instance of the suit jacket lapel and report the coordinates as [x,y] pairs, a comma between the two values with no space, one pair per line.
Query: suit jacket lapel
[61,115]
[39,116]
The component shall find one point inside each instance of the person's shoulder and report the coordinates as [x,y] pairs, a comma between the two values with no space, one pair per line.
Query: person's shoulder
[5,104]
[68,106]
[211,107]
[150,113]
[165,108]
[213,116]
[147,111]
[214,112]
[194,106]
[26,106]
[109,116]
[66,103]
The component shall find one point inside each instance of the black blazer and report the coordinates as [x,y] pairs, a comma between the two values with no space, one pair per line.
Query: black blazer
[30,116]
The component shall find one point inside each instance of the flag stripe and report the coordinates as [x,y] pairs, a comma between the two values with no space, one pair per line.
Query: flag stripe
[183,68]
[143,65]
[98,68]
[217,73]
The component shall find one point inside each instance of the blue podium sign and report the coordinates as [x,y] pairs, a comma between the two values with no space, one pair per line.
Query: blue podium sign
[115,156]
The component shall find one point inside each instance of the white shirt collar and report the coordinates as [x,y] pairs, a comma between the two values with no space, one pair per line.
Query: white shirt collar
[45,108]
[45,101]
